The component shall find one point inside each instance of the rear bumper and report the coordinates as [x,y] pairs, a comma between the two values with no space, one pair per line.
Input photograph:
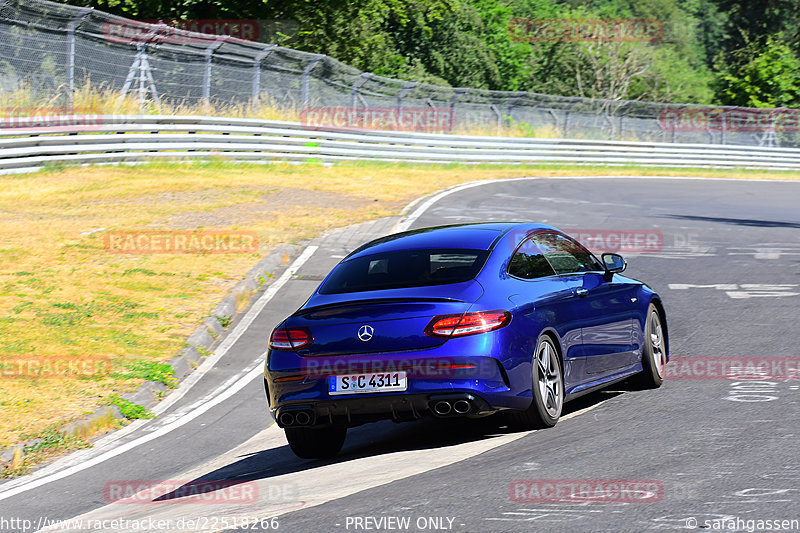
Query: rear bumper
[293,381]
[366,408]
[468,365]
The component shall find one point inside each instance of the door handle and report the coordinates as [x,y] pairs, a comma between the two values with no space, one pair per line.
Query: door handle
[580,291]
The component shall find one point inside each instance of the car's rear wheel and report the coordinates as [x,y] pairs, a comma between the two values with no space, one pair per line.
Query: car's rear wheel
[654,353]
[548,388]
[316,443]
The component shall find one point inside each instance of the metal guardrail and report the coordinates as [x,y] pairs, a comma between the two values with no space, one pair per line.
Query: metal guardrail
[139,138]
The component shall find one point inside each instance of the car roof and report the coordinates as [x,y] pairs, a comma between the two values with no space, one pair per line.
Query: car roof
[476,236]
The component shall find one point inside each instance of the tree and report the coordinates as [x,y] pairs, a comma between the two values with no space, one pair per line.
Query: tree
[728,51]
[765,75]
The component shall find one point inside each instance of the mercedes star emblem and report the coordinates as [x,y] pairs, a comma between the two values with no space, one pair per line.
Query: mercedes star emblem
[365,332]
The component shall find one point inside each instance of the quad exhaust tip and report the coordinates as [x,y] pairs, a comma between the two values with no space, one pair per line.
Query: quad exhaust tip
[461,407]
[452,407]
[442,408]
[295,418]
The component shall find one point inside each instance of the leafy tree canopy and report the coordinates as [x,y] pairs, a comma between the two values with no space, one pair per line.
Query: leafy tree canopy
[738,52]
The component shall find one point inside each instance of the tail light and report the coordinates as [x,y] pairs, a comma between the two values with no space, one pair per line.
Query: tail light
[467,324]
[290,339]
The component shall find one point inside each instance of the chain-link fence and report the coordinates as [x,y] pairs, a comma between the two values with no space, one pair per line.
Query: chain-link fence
[54,48]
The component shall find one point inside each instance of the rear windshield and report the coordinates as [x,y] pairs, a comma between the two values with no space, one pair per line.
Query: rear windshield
[408,268]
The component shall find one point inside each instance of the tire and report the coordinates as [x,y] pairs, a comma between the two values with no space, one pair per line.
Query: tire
[654,354]
[316,443]
[547,387]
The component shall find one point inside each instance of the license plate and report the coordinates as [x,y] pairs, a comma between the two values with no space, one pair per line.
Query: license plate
[360,383]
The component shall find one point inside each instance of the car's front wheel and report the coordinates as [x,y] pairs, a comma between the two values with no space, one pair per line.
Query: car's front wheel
[316,443]
[548,388]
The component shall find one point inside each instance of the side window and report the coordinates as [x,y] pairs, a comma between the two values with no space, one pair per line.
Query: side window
[529,263]
[565,255]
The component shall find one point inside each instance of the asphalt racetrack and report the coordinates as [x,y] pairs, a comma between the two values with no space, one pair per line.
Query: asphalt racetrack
[709,451]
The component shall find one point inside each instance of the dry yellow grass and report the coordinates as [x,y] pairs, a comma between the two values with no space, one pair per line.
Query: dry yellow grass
[65,296]
[90,99]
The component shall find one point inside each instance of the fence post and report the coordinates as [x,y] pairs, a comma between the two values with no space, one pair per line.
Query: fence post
[207,74]
[71,27]
[622,110]
[257,70]
[566,119]
[499,117]
[510,109]
[769,136]
[410,85]
[142,78]
[354,89]
[306,73]
[675,125]
[459,91]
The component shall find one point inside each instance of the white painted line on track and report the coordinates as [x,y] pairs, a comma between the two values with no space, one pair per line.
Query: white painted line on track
[197,409]
[744,290]
[405,223]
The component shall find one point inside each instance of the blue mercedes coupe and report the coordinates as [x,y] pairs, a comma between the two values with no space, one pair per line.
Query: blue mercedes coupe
[460,321]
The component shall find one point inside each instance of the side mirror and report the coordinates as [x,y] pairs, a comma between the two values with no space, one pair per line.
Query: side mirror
[614,263]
